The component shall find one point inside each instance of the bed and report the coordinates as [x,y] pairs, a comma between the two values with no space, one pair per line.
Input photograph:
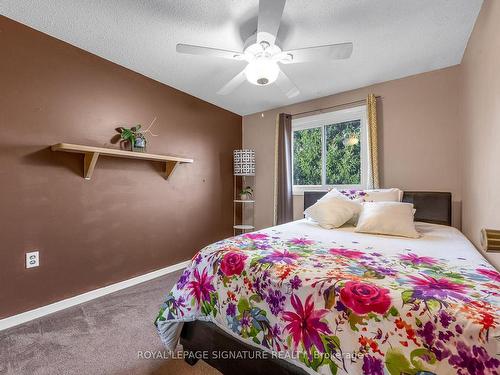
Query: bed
[298,299]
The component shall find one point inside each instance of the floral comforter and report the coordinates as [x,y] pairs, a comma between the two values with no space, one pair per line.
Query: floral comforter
[339,302]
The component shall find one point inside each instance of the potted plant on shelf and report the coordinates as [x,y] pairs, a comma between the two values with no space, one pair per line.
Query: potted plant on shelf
[246,193]
[134,138]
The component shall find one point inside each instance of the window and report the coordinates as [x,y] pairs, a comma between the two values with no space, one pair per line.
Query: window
[330,150]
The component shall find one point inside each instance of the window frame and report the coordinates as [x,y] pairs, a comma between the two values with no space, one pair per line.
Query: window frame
[321,121]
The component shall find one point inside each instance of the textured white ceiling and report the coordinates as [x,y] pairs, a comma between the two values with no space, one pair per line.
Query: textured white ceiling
[392,39]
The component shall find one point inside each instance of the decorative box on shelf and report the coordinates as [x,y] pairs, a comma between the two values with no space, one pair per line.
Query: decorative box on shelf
[244,162]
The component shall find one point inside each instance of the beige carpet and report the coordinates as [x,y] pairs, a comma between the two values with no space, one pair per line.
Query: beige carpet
[103,336]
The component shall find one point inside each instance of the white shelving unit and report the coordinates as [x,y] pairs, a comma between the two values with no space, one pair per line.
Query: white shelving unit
[246,205]
[244,227]
[244,175]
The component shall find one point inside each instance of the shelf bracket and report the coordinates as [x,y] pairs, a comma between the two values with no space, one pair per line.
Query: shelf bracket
[169,168]
[89,164]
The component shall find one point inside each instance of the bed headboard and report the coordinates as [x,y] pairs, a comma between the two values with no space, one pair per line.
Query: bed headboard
[432,207]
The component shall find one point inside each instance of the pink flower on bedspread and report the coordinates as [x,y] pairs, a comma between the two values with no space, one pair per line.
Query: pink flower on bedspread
[363,298]
[233,263]
[492,274]
[301,241]
[417,260]
[352,254]
[201,286]
[305,324]
[428,287]
[256,236]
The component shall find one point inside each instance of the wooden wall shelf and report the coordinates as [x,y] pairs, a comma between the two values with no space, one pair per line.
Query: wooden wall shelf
[92,154]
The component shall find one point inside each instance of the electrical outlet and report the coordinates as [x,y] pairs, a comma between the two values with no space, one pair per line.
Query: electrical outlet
[32,259]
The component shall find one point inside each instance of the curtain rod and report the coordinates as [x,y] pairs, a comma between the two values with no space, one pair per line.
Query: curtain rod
[334,106]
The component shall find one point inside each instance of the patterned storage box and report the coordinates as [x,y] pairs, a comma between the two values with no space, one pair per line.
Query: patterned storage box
[244,162]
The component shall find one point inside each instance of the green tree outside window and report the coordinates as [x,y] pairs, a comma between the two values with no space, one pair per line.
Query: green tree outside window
[342,158]
[343,161]
[307,157]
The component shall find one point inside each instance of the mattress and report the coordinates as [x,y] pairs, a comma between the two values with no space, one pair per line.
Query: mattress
[340,302]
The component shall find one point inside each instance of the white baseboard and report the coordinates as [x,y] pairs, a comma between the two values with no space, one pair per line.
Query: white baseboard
[24,317]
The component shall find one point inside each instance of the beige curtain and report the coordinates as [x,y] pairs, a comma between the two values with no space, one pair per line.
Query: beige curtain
[373,177]
[283,200]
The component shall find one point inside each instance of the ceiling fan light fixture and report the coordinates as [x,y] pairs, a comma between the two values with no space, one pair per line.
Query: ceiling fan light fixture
[262,52]
[262,71]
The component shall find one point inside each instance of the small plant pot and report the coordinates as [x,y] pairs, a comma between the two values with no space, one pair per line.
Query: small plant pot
[138,149]
[139,145]
[244,197]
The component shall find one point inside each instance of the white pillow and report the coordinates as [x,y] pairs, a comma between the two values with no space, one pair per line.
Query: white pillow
[334,193]
[333,210]
[392,218]
[377,195]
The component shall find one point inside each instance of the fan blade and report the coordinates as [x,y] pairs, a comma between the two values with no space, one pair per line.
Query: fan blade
[286,85]
[233,84]
[328,52]
[207,51]
[270,12]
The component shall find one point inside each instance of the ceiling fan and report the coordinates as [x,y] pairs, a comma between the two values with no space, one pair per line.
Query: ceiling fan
[263,53]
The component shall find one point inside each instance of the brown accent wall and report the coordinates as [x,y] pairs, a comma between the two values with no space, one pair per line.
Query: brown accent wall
[127,220]
[480,115]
